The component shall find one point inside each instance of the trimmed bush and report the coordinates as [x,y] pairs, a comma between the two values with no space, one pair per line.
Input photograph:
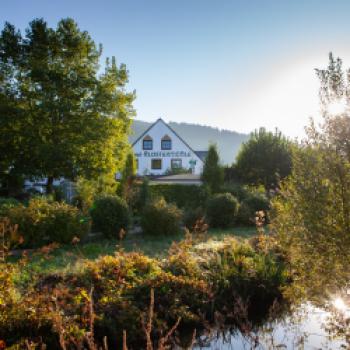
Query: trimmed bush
[249,206]
[222,210]
[237,190]
[43,222]
[183,196]
[109,215]
[161,218]
[191,216]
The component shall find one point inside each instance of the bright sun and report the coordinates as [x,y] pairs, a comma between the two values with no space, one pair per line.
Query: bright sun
[339,304]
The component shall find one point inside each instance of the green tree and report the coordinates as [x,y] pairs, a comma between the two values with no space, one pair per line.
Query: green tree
[213,172]
[313,212]
[59,116]
[264,159]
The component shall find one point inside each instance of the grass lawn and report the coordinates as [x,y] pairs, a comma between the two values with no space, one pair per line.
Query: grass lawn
[66,258]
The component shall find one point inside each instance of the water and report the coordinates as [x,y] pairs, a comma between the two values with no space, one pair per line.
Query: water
[304,329]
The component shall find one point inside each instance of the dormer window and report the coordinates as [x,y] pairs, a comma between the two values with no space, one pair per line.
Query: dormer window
[166,143]
[147,143]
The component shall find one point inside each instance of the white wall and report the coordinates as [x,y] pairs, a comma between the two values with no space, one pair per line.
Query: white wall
[179,150]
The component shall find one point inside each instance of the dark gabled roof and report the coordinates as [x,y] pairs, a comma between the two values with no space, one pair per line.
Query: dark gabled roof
[201,154]
[161,120]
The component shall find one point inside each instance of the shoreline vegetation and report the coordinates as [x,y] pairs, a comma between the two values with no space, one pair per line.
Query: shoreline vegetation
[199,282]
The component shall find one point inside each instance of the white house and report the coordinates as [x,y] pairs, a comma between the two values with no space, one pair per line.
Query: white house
[160,149]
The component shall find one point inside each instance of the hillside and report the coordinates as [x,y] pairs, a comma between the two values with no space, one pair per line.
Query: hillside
[199,137]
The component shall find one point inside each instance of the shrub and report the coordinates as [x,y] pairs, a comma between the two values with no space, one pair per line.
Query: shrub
[109,215]
[237,190]
[43,222]
[88,190]
[191,216]
[183,196]
[222,210]
[6,204]
[139,196]
[249,206]
[161,218]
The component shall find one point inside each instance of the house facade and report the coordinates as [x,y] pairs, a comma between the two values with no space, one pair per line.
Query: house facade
[160,149]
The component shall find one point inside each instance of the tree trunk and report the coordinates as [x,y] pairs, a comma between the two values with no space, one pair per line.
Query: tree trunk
[49,185]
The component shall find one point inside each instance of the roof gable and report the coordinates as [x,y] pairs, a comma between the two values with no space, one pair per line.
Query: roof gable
[160,120]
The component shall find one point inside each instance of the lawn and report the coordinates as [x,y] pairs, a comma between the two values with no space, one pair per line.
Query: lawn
[66,258]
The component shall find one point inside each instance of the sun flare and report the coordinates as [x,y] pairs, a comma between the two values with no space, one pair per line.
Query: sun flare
[339,304]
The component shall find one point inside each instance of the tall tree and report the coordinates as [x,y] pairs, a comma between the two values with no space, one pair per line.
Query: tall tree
[264,159]
[60,116]
[213,172]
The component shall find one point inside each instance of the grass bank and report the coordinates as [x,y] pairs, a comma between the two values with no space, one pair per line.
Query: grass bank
[199,282]
[66,258]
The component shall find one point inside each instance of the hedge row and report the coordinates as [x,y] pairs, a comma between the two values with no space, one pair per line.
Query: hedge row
[183,196]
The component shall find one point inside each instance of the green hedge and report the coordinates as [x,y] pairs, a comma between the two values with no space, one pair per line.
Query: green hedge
[222,210]
[183,196]
[161,218]
[110,214]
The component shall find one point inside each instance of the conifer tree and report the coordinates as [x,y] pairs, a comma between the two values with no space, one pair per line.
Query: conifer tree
[213,173]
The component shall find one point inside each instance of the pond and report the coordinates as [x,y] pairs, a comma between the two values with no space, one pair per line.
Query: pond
[304,328]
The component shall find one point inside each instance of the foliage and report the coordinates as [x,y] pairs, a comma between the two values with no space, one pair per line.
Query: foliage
[110,214]
[222,210]
[140,196]
[43,222]
[127,178]
[177,171]
[238,190]
[87,190]
[264,159]
[213,172]
[197,282]
[6,204]
[160,218]
[183,196]
[60,117]
[8,237]
[312,214]
[192,216]
[249,206]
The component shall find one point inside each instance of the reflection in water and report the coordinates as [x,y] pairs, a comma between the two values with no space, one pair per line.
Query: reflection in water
[339,304]
[308,327]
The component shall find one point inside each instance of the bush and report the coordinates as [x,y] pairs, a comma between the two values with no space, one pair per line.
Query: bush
[44,222]
[6,204]
[191,216]
[249,206]
[237,190]
[161,218]
[222,210]
[109,215]
[183,196]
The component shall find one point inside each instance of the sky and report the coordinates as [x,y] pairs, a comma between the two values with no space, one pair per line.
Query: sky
[231,64]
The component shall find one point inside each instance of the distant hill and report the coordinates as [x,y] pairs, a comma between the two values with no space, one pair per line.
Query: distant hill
[199,137]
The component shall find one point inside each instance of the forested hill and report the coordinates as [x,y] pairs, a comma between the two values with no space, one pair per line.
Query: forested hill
[200,136]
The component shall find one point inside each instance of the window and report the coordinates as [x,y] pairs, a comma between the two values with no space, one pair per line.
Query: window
[137,164]
[176,163]
[156,164]
[147,143]
[166,143]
